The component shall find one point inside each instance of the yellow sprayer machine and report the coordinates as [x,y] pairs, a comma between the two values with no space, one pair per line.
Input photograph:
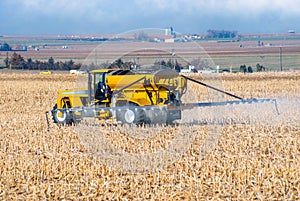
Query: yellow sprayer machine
[132,97]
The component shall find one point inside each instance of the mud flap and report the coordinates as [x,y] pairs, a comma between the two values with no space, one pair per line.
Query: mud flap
[47,120]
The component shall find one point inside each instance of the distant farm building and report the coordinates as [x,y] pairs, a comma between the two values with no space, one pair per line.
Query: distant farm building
[291,31]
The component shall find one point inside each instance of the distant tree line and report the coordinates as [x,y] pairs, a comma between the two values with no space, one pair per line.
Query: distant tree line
[16,61]
[245,69]
[169,64]
[129,65]
[260,68]
[119,63]
[221,34]
[5,47]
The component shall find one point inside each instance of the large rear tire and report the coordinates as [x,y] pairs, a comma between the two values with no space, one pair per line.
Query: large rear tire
[131,115]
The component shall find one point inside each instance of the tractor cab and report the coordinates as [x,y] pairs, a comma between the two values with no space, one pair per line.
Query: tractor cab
[101,89]
[98,88]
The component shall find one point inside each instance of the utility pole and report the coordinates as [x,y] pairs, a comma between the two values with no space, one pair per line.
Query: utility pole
[6,60]
[280,48]
[173,59]
[96,56]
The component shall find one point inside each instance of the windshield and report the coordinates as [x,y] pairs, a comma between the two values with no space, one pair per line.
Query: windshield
[99,80]
[98,77]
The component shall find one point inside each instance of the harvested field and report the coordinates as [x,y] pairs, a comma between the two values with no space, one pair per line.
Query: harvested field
[247,162]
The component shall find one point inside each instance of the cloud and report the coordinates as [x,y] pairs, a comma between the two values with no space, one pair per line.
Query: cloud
[117,15]
[227,7]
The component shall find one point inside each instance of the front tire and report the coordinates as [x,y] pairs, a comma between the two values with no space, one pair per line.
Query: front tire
[61,116]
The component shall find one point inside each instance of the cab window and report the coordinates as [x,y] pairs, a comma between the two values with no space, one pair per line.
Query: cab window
[99,77]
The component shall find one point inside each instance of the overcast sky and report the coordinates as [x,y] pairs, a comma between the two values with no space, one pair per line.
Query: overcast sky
[118,16]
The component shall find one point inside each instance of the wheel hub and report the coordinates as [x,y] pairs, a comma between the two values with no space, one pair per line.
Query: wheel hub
[61,116]
[129,116]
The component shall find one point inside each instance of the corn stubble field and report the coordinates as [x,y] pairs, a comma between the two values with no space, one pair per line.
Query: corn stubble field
[248,162]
